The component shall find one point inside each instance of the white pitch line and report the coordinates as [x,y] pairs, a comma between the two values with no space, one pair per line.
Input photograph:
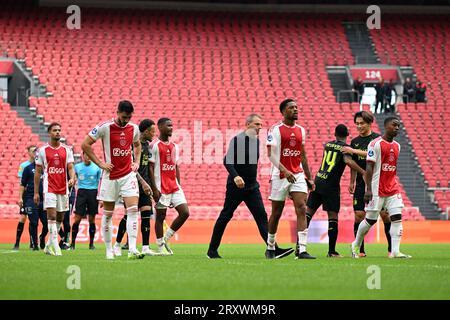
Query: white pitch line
[9,251]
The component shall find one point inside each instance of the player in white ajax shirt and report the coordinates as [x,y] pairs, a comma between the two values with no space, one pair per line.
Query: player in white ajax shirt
[119,173]
[383,190]
[54,160]
[290,176]
[165,182]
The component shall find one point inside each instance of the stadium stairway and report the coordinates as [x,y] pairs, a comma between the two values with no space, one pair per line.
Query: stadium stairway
[32,121]
[360,42]
[411,175]
[339,81]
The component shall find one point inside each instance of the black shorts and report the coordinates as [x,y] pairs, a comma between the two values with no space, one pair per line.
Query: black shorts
[330,201]
[86,202]
[358,197]
[144,199]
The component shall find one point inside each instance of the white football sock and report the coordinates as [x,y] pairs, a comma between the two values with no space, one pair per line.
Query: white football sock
[302,240]
[271,241]
[52,233]
[396,232]
[132,227]
[107,227]
[169,234]
[363,229]
[160,241]
[58,226]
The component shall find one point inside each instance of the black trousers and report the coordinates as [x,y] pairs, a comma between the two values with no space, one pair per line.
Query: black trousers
[233,199]
[36,213]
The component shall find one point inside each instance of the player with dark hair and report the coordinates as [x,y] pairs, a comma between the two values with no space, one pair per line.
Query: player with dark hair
[165,183]
[147,129]
[383,189]
[34,212]
[286,149]
[22,212]
[86,203]
[358,149]
[119,172]
[54,160]
[328,179]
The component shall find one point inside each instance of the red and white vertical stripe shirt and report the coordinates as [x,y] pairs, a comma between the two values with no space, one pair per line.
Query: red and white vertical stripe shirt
[117,146]
[384,155]
[54,163]
[286,144]
[165,156]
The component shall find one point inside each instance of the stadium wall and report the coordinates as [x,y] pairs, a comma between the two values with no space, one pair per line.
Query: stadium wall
[407,8]
[199,232]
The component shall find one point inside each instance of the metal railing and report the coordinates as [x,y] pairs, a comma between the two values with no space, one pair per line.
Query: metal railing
[351,95]
[3,91]
[364,59]
[21,91]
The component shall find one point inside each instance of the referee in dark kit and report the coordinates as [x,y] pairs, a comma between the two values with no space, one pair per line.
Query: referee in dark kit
[241,162]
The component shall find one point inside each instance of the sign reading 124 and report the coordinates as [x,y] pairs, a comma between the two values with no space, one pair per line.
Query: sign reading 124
[373,74]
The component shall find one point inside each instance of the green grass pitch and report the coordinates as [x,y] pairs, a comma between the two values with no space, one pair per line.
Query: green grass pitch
[243,273]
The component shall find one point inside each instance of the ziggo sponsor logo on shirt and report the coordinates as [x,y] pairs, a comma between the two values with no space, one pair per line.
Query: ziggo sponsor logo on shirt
[290,153]
[117,152]
[168,167]
[387,167]
[53,170]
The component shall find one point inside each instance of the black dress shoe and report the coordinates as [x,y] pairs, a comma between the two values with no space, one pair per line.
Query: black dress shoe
[305,255]
[213,255]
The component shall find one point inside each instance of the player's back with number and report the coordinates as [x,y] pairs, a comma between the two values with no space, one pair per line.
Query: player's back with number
[332,166]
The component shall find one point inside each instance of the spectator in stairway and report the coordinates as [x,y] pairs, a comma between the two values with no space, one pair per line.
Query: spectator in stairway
[421,88]
[409,91]
[379,95]
[388,87]
[358,86]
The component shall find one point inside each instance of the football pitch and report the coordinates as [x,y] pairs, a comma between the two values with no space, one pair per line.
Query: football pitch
[243,273]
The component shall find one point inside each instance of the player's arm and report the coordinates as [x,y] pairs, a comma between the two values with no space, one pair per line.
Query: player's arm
[177,171]
[230,160]
[37,180]
[350,150]
[151,170]
[137,148]
[273,159]
[23,183]
[76,173]
[72,175]
[353,165]
[144,185]
[369,175]
[305,165]
[351,187]
[87,149]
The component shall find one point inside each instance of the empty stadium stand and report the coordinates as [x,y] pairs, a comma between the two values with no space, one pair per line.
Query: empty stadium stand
[421,43]
[205,71]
